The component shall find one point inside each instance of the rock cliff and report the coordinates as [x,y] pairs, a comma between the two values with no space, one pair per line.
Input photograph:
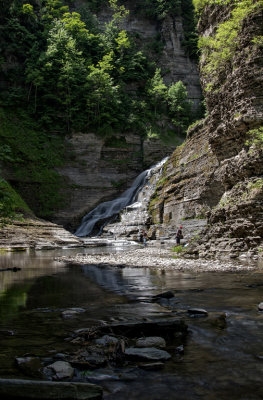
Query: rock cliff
[213,183]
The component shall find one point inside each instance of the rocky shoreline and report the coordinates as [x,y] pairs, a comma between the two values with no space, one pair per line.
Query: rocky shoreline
[159,258]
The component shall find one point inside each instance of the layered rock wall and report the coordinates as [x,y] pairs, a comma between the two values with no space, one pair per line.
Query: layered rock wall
[217,176]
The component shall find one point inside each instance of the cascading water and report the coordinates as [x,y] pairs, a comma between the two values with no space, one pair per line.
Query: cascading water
[108,209]
[104,212]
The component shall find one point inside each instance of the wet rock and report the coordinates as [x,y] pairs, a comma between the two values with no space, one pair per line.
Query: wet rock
[31,366]
[151,341]
[154,366]
[197,312]
[89,359]
[260,307]
[147,353]
[48,390]
[72,312]
[106,340]
[219,322]
[180,349]
[60,370]
[164,328]
[165,295]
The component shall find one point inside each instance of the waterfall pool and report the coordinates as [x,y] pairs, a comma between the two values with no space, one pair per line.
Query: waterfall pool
[220,361]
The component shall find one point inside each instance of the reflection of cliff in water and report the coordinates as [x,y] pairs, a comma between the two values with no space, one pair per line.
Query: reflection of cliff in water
[31,267]
[130,282]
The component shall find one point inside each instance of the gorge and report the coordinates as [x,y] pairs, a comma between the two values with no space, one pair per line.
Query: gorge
[212,182]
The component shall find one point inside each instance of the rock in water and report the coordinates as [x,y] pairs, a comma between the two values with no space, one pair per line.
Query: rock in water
[151,341]
[165,295]
[47,390]
[147,353]
[61,370]
[198,312]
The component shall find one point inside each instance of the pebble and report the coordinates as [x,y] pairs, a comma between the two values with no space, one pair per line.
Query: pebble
[155,258]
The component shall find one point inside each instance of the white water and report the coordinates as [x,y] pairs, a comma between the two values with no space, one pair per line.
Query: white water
[104,211]
[111,208]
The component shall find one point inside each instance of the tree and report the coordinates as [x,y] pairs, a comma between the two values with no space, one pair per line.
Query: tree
[157,89]
[180,108]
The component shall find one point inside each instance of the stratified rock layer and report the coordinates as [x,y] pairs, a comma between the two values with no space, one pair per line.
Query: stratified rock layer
[37,234]
[213,184]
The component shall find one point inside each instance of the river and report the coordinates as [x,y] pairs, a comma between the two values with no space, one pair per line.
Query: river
[220,361]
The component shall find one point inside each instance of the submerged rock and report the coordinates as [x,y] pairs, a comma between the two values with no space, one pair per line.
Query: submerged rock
[147,353]
[48,390]
[165,295]
[154,366]
[31,366]
[106,340]
[72,312]
[151,341]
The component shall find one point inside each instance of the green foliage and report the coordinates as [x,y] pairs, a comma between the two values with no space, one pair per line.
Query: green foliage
[62,74]
[219,49]
[178,249]
[11,204]
[258,184]
[258,41]
[180,107]
[159,8]
[255,137]
[32,155]
[201,4]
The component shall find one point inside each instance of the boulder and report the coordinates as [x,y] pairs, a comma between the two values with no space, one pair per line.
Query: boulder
[60,370]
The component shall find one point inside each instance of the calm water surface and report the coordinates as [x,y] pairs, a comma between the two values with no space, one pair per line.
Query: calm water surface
[219,362]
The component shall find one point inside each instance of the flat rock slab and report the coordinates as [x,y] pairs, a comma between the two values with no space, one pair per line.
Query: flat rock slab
[147,353]
[45,390]
[151,341]
[163,328]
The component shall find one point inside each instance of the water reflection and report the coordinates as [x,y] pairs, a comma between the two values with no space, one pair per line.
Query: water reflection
[219,362]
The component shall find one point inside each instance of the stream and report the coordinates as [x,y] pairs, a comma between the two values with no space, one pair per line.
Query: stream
[220,361]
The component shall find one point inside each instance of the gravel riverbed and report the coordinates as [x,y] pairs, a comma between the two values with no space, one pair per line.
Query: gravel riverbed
[157,258]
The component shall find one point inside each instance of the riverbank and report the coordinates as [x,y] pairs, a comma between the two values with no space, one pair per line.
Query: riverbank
[159,258]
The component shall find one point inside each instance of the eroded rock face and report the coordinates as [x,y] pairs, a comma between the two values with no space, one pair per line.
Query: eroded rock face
[215,178]
[35,233]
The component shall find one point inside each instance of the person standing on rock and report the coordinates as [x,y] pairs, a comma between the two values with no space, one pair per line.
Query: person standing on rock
[144,235]
[179,235]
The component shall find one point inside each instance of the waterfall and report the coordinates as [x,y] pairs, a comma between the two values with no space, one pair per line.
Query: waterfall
[104,212]
[108,209]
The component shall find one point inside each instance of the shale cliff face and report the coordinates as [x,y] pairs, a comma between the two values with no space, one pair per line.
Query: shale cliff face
[213,183]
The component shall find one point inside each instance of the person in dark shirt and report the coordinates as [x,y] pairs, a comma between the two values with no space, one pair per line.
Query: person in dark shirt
[179,235]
